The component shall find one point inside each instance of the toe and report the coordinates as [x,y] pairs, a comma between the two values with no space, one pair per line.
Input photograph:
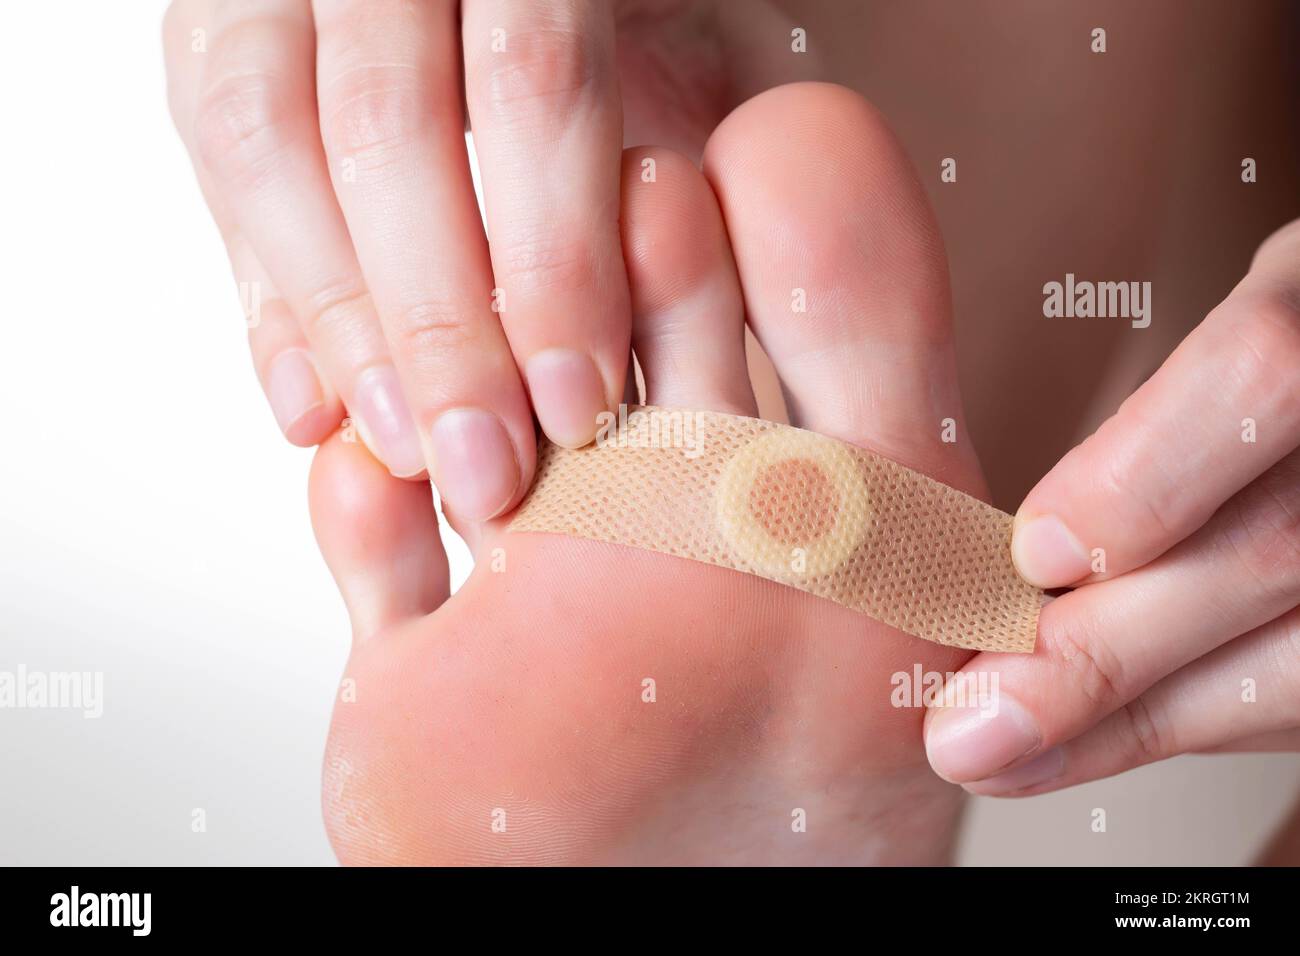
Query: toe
[379,537]
[844,275]
[688,328]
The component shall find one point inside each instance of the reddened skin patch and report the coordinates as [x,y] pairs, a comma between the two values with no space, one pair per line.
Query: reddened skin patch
[797,508]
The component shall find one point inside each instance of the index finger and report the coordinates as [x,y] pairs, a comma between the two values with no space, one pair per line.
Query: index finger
[1222,409]
[543,98]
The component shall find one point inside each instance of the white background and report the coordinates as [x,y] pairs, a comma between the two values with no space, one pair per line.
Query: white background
[153,524]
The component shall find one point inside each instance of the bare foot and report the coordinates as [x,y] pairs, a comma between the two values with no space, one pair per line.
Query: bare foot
[508,723]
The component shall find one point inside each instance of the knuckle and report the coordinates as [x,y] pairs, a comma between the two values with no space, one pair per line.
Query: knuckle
[1097,671]
[339,306]
[1263,528]
[1148,734]
[1285,659]
[242,123]
[538,260]
[1267,330]
[373,111]
[434,328]
[1156,512]
[545,69]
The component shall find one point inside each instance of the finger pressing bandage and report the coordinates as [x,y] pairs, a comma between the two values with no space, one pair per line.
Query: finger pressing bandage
[795,507]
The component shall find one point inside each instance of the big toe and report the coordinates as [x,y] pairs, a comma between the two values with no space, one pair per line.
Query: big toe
[844,275]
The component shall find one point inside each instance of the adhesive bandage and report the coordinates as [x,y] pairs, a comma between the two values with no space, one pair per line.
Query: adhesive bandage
[798,508]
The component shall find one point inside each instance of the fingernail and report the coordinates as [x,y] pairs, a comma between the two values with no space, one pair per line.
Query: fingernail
[971,743]
[1047,554]
[567,394]
[474,463]
[385,421]
[1046,766]
[292,388]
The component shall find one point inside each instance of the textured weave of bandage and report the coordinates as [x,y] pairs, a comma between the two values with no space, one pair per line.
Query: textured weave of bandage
[798,508]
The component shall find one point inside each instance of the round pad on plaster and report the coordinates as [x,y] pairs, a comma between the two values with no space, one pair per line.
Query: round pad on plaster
[793,504]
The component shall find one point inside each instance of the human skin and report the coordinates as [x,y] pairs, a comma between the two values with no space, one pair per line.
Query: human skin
[1187,641]
[866,365]
[1122,165]
[327,137]
[1179,106]
[522,693]
[1114,166]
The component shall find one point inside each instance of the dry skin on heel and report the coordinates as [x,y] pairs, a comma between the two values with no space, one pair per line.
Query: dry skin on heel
[797,508]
